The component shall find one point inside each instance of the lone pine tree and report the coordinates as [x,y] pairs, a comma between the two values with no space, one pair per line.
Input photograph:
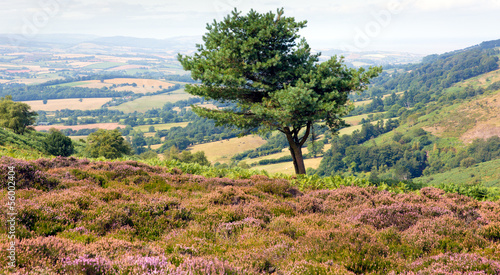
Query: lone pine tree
[260,62]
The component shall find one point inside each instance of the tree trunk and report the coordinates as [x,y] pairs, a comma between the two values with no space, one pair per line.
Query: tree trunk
[298,160]
[295,146]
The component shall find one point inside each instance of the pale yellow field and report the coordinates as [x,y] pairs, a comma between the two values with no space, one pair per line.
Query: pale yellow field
[284,152]
[222,151]
[78,137]
[287,167]
[150,85]
[349,130]
[69,103]
[361,103]
[71,55]
[156,146]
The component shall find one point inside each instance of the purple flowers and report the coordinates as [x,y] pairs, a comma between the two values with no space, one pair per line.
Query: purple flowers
[81,217]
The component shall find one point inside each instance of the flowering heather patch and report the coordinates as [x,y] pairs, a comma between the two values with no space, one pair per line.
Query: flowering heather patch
[82,217]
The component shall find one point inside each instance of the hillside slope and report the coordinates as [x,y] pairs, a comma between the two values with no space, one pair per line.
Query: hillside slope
[27,146]
[478,117]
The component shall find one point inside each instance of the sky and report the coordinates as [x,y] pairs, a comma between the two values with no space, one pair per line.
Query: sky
[416,26]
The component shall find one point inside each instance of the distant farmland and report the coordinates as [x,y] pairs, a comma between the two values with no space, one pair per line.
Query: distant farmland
[222,151]
[142,85]
[104,65]
[106,126]
[150,102]
[68,103]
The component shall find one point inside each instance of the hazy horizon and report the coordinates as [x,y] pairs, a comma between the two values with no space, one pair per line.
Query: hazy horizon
[423,26]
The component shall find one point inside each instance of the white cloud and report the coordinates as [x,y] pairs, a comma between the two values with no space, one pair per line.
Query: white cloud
[444,5]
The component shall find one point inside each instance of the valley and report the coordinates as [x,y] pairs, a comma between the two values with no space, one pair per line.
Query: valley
[121,176]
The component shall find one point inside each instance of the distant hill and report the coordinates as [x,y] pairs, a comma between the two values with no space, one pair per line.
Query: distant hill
[443,104]
[183,44]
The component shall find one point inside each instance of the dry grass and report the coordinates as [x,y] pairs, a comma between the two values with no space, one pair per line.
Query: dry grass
[361,103]
[483,80]
[68,103]
[77,138]
[477,118]
[150,85]
[287,167]
[222,151]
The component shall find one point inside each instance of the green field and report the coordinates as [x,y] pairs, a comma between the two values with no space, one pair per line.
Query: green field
[486,173]
[150,102]
[164,126]
[73,84]
[104,65]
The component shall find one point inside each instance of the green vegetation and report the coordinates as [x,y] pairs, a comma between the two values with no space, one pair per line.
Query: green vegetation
[187,156]
[485,173]
[106,143]
[146,103]
[259,62]
[30,145]
[16,116]
[58,144]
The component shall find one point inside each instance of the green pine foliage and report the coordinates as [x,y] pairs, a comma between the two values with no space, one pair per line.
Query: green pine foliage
[58,144]
[259,62]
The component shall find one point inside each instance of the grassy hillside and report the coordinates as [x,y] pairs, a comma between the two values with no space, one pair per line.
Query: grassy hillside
[27,146]
[486,173]
[478,117]
[131,218]
[149,102]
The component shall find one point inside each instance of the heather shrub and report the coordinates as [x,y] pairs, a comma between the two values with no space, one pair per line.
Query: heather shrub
[308,204]
[131,218]
[358,249]
[45,251]
[446,234]
[228,195]
[27,175]
[91,265]
[491,231]
[314,268]
[203,266]
[432,193]
[60,162]
[287,227]
[454,263]
[400,215]
[280,187]
[229,229]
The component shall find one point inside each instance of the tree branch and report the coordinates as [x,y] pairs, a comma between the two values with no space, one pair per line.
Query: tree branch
[304,138]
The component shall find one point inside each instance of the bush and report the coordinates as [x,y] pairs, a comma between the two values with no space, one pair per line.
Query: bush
[58,144]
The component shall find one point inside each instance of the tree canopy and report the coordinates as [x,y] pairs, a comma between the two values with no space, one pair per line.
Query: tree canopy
[260,62]
[16,115]
[58,144]
[106,143]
